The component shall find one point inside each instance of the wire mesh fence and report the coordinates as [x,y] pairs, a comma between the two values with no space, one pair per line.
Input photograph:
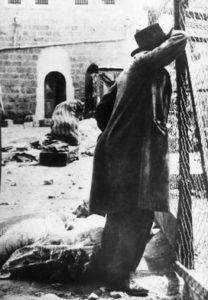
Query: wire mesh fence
[188,133]
[195,15]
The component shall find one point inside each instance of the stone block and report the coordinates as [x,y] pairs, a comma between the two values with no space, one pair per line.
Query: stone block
[55,159]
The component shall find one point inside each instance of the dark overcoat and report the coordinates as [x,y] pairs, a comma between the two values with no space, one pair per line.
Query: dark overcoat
[131,157]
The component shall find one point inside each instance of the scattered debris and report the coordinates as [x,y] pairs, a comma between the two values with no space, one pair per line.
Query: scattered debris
[6,149]
[22,146]
[82,211]
[93,296]
[23,157]
[88,151]
[48,182]
[54,145]
[28,149]
[77,226]
[116,294]
[35,144]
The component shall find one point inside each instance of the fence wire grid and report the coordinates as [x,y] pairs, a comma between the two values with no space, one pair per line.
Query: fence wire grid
[188,134]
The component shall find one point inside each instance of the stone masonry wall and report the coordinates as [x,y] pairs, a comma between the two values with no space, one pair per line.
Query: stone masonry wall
[18,71]
[100,34]
[63,21]
[18,80]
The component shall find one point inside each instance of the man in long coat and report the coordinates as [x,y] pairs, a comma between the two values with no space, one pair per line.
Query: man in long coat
[131,174]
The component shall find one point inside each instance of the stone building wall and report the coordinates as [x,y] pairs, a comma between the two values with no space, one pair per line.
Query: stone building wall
[18,79]
[63,21]
[20,70]
[63,37]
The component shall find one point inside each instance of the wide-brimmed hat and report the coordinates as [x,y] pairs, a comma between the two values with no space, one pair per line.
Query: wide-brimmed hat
[149,38]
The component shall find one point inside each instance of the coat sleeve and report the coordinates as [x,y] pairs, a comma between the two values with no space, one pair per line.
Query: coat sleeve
[166,52]
[105,107]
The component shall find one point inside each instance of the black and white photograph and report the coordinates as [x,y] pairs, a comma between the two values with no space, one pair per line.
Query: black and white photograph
[103,149]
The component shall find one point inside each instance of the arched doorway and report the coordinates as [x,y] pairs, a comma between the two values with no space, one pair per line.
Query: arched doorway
[54,90]
[52,59]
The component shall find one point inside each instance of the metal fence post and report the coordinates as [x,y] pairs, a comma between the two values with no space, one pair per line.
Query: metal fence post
[0,145]
[184,247]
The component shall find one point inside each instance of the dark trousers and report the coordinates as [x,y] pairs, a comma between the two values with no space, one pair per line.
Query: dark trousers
[124,239]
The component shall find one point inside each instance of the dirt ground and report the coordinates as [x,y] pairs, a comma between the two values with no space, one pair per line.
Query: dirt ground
[29,188]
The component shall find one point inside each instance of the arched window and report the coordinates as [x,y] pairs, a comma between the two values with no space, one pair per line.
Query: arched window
[41,2]
[14,1]
[81,2]
[108,2]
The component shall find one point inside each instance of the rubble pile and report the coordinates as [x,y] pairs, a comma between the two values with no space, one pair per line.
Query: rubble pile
[49,245]
[27,150]
[82,210]
[24,150]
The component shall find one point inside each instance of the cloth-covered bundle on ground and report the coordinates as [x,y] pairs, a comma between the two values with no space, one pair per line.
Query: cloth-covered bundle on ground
[27,230]
[59,256]
[65,121]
